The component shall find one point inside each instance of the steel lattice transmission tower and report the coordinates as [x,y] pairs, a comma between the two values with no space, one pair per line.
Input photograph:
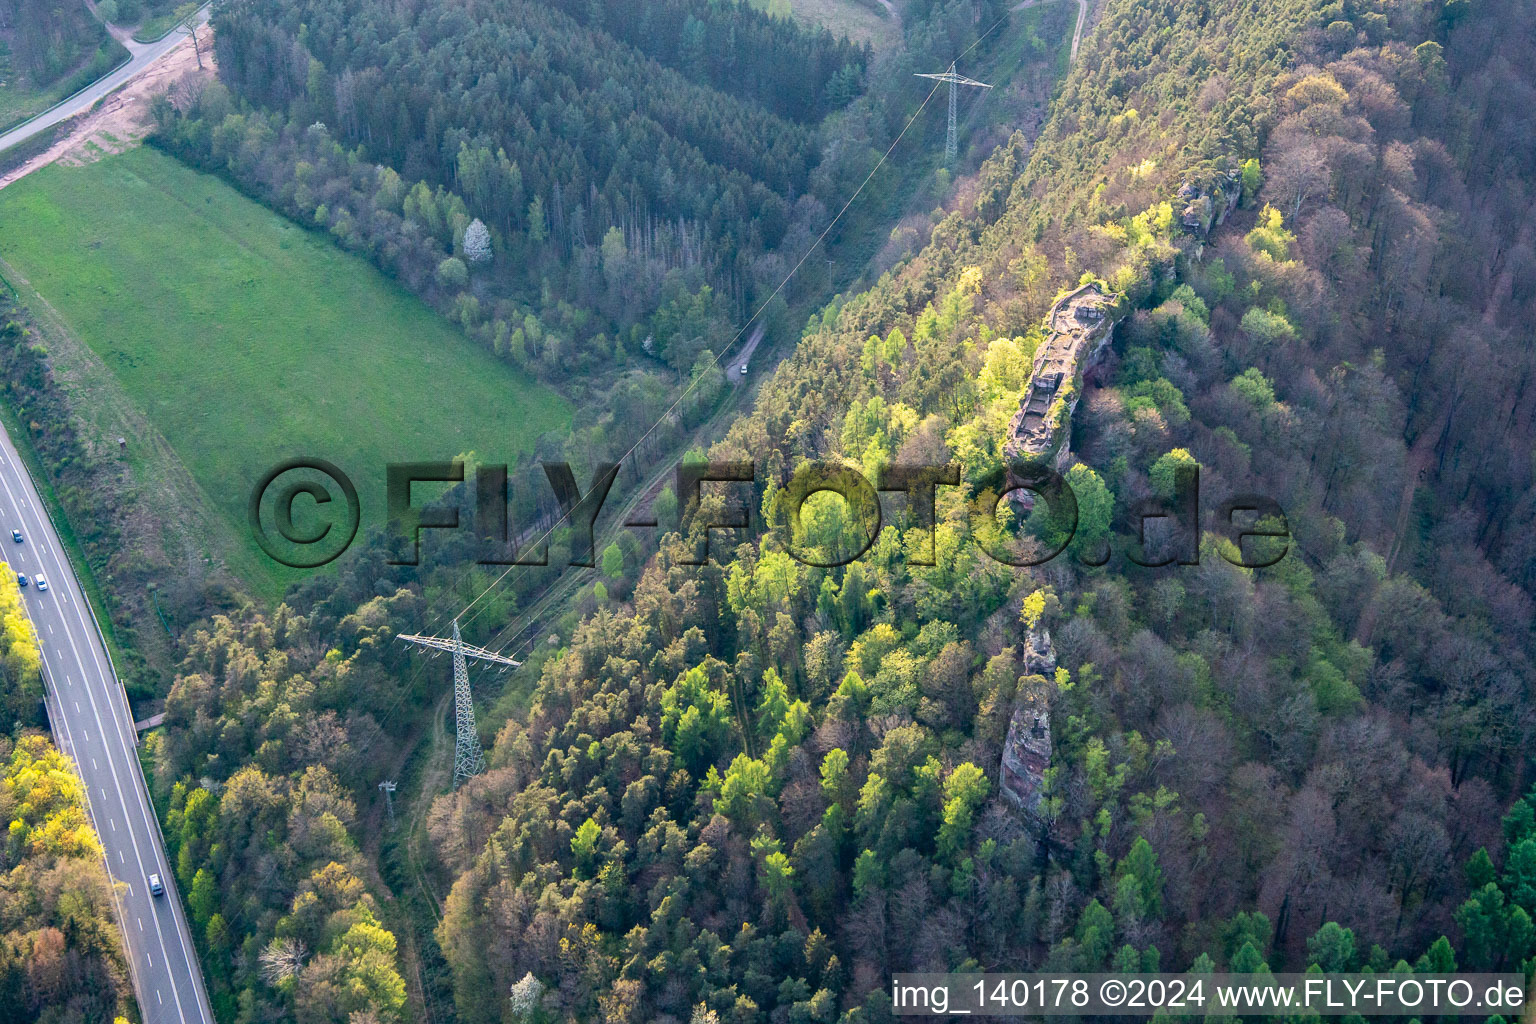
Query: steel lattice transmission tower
[387,787]
[468,758]
[953,79]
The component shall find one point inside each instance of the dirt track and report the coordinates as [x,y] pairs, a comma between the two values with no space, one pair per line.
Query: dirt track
[1082,19]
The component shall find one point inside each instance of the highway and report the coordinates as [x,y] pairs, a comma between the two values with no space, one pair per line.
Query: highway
[89,715]
[143,55]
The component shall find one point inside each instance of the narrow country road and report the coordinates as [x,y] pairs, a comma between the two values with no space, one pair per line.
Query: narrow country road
[1082,18]
[144,54]
[733,369]
[1077,33]
[88,711]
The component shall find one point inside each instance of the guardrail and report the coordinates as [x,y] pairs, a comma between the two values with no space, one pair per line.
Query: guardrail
[59,531]
[8,129]
[173,28]
[149,42]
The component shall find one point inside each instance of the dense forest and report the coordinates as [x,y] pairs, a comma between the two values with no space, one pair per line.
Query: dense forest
[61,958]
[628,314]
[589,194]
[752,790]
[259,823]
[615,178]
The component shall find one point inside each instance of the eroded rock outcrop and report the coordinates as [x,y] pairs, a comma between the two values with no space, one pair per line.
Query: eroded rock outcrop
[1027,749]
[1081,326]
[1207,204]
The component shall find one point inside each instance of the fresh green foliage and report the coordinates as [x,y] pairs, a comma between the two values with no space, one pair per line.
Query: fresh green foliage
[1222,738]
[246,339]
[753,789]
[59,943]
[21,681]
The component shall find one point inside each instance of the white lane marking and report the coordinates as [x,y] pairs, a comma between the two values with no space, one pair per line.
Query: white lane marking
[69,745]
[150,957]
[136,782]
[141,923]
[50,629]
[160,997]
[113,822]
[77,711]
[122,723]
[120,859]
[94,766]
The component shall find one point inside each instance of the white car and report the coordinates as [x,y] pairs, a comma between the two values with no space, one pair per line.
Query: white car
[155,888]
[42,584]
[743,369]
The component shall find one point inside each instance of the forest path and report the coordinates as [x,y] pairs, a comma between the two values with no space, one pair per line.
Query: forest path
[1082,18]
[1415,472]
[733,369]
[122,34]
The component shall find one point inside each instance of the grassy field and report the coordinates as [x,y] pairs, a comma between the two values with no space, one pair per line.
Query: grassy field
[245,340]
[154,29]
[863,21]
[17,104]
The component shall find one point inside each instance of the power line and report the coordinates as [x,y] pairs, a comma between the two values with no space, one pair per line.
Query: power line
[388,787]
[565,514]
[950,147]
[716,359]
[468,758]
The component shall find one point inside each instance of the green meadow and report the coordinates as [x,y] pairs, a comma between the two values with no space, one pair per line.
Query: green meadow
[246,340]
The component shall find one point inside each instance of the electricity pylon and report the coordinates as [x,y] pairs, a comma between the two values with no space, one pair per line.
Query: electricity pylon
[953,79]
[388,788]
[468,758]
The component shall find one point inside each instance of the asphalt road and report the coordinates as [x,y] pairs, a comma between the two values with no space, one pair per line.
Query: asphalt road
[143,55]
[89,714]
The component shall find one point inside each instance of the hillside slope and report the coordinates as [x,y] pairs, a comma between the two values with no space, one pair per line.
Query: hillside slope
[764,786]
[754,789]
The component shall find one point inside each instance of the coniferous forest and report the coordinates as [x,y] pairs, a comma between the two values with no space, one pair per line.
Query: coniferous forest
[628,180]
